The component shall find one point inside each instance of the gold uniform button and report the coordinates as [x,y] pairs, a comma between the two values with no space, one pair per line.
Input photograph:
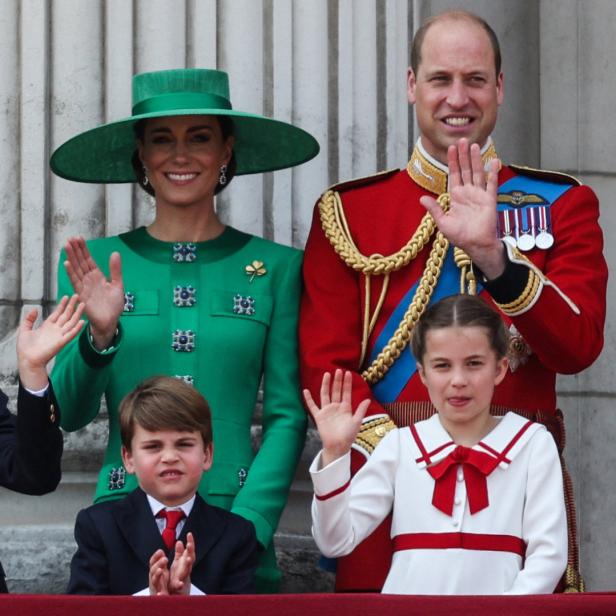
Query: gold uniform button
[380,431]
[52,413]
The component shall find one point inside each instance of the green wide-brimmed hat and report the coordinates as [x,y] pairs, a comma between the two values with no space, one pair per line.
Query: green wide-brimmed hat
[103,154]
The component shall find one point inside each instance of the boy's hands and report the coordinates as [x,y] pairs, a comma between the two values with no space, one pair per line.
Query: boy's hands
[176,579]
[36,347]
[181,568]
[337,424]
[159,574]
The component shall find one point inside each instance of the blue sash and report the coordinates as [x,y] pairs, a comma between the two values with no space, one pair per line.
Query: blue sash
[391,385]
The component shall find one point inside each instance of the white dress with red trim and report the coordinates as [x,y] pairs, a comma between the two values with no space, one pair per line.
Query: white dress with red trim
[485,520]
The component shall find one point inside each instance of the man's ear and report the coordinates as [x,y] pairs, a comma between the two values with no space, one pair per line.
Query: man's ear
[500,88]
[127,460]
[411,83]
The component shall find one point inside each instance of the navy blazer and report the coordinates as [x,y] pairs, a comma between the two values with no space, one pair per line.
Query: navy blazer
[116,539]
[30,446]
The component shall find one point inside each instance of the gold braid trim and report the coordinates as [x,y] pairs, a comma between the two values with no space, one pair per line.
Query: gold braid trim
[401,337]
[527,296]
[468,282]
[371,433]
[337,232]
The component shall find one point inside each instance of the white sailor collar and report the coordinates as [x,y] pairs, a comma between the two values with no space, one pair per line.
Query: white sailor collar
[507,439]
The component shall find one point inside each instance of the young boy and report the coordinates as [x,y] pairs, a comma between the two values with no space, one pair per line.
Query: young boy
[129,546]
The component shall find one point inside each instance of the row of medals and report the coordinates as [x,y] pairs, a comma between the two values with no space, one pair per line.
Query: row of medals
[526,228]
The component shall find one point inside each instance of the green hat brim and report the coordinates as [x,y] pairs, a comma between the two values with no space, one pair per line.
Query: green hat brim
[103,154]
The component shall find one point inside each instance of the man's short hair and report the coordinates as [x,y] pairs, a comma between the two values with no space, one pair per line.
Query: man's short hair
[418,39]
[165,403]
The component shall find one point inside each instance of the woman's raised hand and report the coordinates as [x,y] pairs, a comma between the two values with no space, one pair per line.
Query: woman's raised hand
[103,299]
[337,424]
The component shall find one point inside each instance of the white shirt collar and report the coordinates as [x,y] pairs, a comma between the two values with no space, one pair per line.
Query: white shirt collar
[156,506]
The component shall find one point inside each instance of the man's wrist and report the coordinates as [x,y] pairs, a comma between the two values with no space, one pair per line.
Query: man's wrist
[492,261]
[34,379]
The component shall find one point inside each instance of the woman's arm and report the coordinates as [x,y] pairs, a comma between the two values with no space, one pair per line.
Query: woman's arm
[264,495]
[81,372]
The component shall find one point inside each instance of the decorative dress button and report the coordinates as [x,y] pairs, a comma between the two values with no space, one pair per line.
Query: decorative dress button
[183,340]
[243,304]
[458,501]
[117,478]
[455,523]
[184,297]
[460,476]
[187,378]
[129,301]
[184,253]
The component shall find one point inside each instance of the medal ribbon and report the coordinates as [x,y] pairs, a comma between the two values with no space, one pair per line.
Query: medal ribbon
[476,466]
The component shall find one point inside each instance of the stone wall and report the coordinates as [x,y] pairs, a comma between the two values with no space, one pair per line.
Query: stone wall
[338,69]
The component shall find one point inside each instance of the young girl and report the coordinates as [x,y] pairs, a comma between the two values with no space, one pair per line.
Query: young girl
[477,501]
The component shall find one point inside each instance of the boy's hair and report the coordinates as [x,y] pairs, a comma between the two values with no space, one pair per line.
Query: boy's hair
[418,39]
[461,311]
[165,403]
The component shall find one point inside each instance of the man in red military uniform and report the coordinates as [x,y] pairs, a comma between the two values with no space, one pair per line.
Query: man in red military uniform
[381,249]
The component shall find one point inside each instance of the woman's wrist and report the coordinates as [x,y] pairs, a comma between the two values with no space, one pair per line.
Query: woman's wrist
[102,339]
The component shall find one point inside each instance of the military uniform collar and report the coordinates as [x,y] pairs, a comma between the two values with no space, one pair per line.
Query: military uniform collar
[431,174]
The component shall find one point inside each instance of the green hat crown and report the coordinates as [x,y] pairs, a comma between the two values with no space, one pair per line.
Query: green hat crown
[180,89]
[103,154]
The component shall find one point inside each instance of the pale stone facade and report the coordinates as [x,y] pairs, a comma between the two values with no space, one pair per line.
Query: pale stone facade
[338,69]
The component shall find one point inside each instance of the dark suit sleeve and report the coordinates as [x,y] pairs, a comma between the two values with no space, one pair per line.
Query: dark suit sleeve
[242,563]
[30,444]
[89,566]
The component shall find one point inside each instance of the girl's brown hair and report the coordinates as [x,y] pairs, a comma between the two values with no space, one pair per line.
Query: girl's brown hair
[461,311]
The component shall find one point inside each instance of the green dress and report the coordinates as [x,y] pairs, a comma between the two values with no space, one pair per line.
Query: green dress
[221,314]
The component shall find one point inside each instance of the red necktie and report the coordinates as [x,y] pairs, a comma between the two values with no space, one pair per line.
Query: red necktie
[476,466]
[172,519]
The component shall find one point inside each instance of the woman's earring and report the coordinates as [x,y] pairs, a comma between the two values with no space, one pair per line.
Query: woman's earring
[145,181]
[222,178]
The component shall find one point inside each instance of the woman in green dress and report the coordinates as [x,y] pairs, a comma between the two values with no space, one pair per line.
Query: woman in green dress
[188,296]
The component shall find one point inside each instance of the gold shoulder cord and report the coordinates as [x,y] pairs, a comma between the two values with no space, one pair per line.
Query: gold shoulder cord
[337,232]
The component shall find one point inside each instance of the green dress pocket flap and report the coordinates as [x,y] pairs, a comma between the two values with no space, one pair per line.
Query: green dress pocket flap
[250,306]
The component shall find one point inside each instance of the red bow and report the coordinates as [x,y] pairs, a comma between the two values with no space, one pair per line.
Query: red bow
[476,466]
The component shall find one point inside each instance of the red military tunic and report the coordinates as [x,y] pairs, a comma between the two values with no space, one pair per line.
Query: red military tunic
[559,317]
